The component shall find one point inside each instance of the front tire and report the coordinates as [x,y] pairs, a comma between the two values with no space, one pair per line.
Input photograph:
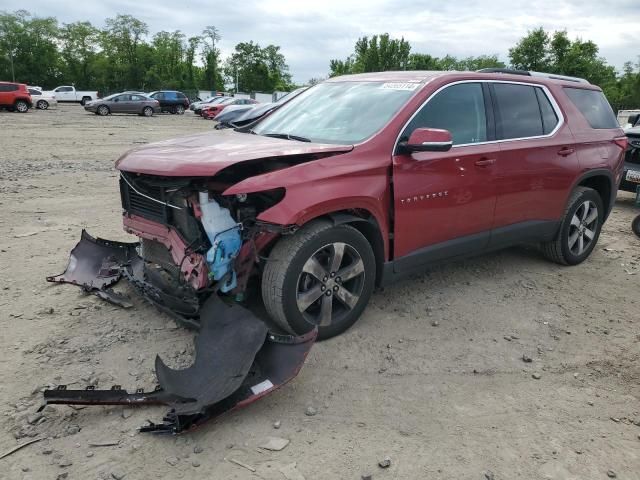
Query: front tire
[42,104]
[579,230]
[322,276]
[103,110]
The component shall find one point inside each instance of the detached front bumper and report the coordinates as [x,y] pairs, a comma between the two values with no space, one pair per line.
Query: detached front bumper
[237,359]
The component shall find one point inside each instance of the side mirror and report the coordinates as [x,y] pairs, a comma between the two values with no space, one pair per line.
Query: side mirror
[116,99]
[428,140]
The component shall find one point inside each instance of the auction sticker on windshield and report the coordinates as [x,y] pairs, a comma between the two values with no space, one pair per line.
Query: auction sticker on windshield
[400,86]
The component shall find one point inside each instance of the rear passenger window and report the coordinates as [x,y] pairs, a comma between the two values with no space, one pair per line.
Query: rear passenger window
[8,87]
[549,117]
[518,113]
[459,109]
[594,107]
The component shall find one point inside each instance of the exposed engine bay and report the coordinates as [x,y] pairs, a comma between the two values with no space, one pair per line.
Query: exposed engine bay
[197,250]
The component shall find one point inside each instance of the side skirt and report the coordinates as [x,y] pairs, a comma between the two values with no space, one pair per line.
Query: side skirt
[468,246]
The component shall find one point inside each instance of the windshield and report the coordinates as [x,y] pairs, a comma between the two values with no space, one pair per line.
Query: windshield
[338,112]
[215,100]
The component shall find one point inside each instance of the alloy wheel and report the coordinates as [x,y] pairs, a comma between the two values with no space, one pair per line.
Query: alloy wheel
[22,107]
[42,104]
[583,227]
[330,284]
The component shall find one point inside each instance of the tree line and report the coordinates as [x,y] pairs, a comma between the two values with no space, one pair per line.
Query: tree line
[123,56]
[539,50]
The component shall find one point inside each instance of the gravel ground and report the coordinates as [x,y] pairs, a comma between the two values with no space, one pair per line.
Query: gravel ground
[432,376]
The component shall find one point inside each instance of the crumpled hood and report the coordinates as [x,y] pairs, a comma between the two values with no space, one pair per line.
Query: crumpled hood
[205,154]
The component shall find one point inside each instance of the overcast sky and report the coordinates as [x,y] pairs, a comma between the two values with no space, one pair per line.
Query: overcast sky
[311,33]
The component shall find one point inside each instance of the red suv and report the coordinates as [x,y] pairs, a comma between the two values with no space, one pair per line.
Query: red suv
[356,182]
[15,97]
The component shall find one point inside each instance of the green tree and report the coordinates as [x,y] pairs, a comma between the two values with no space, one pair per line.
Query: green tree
[254,69]
[376,54]
[123,42]
[532,52]
[28,50]
[211,57]
[79,47]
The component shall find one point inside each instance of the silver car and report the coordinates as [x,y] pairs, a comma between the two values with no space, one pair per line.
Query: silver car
[124,103]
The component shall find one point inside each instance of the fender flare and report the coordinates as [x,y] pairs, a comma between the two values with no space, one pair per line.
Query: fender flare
[599,172]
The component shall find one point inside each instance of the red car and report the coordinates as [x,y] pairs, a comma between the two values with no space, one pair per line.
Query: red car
[15,97]
[210,112]
[356,182]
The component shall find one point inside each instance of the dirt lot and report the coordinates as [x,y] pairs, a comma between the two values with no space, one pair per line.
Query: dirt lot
[432,376]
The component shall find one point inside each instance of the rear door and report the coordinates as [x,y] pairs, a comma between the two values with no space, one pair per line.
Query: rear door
[444,201]
[137,103]
[538,162]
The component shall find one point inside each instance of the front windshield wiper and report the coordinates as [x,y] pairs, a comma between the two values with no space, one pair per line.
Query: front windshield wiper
[287,136]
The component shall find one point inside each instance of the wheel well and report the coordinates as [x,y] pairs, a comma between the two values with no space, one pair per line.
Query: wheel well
[602,185]
[367,225]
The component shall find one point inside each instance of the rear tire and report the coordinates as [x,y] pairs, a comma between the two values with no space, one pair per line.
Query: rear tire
[635,226]
[42,104]
[84,101]
[579,230]
[21,106]
[180,110]
[323,276]
[103,110]
[147,111]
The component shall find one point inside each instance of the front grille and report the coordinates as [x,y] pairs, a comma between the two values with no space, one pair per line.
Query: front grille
[139,204]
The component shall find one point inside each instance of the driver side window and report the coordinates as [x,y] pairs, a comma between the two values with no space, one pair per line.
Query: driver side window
[459,109]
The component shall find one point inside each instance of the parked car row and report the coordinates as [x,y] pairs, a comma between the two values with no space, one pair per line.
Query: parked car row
[209,112]
[140,103]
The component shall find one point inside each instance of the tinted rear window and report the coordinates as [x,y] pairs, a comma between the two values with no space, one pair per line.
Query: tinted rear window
[519,113]
[594,106]
[8,87]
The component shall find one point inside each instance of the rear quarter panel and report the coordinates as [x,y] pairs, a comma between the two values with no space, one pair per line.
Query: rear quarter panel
[595,147]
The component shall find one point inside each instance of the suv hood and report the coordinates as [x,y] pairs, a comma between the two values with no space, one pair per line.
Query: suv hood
[205,154]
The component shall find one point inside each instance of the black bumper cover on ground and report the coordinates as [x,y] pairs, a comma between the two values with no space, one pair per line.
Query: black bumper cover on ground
[237,360]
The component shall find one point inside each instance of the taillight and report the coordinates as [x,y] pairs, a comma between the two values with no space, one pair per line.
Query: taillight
[622,142]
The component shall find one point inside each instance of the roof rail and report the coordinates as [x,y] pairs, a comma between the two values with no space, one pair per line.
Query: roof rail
[552,76]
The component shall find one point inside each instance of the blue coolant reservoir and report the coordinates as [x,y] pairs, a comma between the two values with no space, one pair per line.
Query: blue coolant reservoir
[224,234]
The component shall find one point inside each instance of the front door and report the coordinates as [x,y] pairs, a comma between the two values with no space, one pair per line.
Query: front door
[65,94]
[120,104]
[444,201]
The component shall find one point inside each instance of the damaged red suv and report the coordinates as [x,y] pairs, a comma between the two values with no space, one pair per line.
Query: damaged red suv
[365,178]
[356,182]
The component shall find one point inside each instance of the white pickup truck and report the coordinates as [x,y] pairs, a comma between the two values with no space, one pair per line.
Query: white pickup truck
[68,93]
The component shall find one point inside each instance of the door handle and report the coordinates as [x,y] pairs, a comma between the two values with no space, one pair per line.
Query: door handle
[566,151]
[485,162]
